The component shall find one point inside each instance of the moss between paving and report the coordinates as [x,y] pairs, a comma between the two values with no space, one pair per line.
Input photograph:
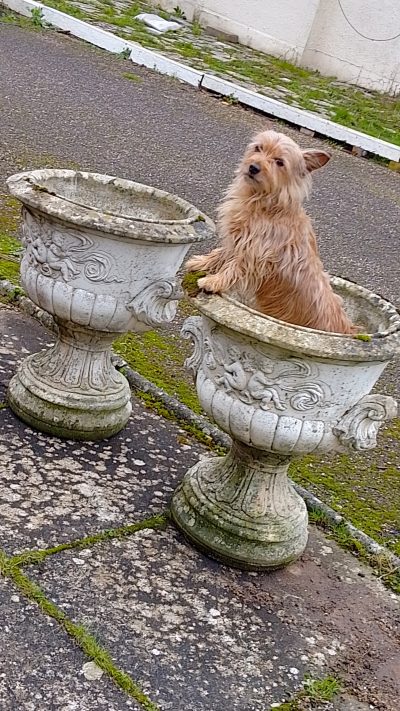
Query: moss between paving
[314,690]
[364,488]
[10,567]
[367,111]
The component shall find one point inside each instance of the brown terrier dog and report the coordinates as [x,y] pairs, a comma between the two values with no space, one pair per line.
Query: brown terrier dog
[269,254]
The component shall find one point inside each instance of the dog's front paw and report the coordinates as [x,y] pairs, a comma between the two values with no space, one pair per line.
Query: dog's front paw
[210,284]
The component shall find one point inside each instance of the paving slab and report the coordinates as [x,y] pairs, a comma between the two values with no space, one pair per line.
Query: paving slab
[41,668]
[197,635]
[54,490]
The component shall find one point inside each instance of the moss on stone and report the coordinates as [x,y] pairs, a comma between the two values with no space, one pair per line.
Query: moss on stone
[9,270]
[364,488]
[10,210]
[393,431]
[9,245]
[159,357]
[363,337]
[189,282]
[12,296]
[380,563]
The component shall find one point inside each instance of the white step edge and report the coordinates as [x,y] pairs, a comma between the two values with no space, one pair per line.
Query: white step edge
[107,40]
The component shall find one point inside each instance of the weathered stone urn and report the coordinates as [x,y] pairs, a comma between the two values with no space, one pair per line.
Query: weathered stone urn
[101,255]
[280,391]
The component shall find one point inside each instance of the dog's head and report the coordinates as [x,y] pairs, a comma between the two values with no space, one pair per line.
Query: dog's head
[274,164]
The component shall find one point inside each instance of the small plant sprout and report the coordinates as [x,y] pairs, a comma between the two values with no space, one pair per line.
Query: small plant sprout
[37,18]
[178,12]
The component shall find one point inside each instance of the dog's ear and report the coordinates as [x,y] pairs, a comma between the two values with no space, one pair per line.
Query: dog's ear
[315,159]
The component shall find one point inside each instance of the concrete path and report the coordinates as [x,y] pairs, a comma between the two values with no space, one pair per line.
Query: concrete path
[191,634]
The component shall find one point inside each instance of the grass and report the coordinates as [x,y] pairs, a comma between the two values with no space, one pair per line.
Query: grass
[85,640]
[367,111]
[314,691]
[9,270]
[10,18]
[38,556]
[10,247]
[68,7]
[159,356]
[196,28]
[131,76]
[37,18]
[364,488]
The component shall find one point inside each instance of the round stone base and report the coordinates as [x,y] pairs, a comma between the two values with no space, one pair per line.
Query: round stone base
[236,551]
[214,507]
[83,417]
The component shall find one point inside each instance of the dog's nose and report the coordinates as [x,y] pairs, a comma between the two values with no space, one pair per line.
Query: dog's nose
[254,169]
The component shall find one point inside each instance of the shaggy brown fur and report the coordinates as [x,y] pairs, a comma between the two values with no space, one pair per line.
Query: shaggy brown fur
[269,254]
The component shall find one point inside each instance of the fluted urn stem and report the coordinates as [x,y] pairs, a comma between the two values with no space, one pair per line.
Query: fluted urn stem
[242,509]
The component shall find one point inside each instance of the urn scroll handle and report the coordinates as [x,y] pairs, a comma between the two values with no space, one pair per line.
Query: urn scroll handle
[193,329]
[359,426]
[156,303]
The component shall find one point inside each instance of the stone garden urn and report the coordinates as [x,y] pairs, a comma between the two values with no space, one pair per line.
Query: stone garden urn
[280,391]
[101,256]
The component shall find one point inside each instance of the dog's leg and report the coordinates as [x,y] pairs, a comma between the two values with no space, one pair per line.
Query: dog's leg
[205,262]
[220,282]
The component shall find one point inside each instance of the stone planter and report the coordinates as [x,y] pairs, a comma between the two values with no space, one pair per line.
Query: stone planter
[101,256]
[280,391]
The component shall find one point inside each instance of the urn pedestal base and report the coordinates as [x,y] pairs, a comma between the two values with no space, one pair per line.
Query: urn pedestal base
[242,510]
[72,390]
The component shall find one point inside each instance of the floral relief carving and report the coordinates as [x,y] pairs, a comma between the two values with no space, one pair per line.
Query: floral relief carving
[252,377]
[57,254]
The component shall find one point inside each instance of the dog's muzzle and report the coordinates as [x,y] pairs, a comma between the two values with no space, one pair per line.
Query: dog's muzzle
[254,168]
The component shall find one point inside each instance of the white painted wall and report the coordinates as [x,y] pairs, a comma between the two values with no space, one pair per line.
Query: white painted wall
[335,48]
[313,33]
[278,27]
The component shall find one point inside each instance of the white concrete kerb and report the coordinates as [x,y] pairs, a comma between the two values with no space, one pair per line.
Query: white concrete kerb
[152,60]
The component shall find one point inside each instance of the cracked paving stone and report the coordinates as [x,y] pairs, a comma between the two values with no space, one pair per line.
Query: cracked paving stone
[53,490]
[197,635]
[41,667]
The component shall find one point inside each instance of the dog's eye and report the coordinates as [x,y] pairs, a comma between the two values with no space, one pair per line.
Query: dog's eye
[279,162]
[257,149]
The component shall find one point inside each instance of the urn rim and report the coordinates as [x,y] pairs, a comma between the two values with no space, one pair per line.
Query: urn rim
[379,346]
[29,187]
